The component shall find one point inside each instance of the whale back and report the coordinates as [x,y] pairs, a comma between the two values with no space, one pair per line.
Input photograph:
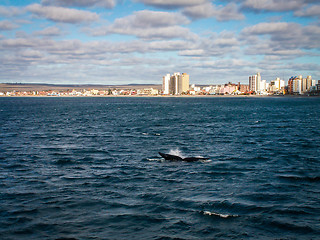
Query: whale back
[170,157]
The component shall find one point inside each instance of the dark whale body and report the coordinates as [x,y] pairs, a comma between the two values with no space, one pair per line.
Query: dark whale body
[171,157]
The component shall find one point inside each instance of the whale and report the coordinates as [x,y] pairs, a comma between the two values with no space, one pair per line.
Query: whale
[171,157]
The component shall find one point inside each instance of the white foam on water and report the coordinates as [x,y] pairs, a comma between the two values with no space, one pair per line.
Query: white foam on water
[218,214]
[206,161]
[154,159]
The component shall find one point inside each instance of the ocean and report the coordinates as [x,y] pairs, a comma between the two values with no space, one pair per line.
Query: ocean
[89,168]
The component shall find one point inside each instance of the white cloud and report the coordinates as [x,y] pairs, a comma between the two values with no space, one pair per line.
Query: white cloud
[154,33]
[16,43]
[150,25]
[208,10]
[167,45]
[49,31]
[31,54]
[269,28]
[313,11]
[285,35]
[225,64]
[10,11]
[216,45]
[6,25]
[60,14]
[169,4]
[146,18]
[268,48]
[164,41]
[283,40]
[80,3]
[273,5]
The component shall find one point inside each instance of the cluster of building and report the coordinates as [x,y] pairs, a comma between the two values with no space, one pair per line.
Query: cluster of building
[175,84]
[83,92]
[296,86]
[178,84]
[222,89]
[300,85]
[262,87]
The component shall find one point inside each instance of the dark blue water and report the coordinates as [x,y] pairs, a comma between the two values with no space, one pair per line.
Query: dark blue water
[88,168]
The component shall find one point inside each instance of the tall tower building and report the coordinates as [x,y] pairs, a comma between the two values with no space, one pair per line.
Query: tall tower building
[290,85]
[183,83]
[166,84]
[252,83]
[255,82]
[258,82]
[263,85]
[176,83]
[309,82]
[297,85]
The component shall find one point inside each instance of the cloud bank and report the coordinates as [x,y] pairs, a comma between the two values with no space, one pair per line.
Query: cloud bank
[112,42]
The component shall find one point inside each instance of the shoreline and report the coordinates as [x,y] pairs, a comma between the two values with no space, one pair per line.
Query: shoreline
[166,96]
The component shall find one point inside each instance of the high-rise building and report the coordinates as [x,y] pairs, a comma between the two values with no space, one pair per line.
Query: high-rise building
[306,84]
[290,85]
[252,83]
[183,83]
[277,85]
[166,84]
[263,85]
[255,82]
[299,85]
[173,85]
[176,83]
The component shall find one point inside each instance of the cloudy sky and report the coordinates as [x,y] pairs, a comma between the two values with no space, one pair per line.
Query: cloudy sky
[139,41]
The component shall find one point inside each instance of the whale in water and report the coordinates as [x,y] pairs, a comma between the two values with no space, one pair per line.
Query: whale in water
[171,157]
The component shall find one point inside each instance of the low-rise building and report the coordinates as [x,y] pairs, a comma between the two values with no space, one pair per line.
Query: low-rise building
[148,91]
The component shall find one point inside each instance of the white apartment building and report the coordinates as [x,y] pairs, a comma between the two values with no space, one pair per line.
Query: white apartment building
[255,82]
[262,86]
[175,84]
[166,84]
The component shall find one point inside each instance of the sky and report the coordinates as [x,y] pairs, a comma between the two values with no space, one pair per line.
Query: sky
[140,41]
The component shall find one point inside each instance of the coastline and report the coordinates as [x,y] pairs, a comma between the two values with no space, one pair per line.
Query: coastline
[164,96]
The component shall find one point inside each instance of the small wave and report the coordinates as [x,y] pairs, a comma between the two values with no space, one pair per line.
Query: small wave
[64,162]
[66,238]
[218,214]
[155,134]
[154,159]
[206,161]
[300,179]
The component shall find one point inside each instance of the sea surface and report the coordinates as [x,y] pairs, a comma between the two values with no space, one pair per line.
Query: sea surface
[89,168]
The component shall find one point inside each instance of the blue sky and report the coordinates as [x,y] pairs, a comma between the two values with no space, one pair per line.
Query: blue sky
[139,41]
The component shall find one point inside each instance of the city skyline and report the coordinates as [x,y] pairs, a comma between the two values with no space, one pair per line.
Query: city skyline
[123,42]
